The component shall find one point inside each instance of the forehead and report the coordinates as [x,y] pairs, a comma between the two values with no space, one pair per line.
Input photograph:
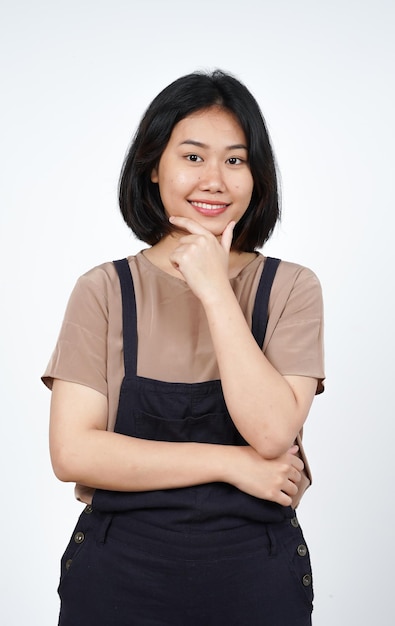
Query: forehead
[215,122]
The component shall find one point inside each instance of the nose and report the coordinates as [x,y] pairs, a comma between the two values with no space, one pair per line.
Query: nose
[212,178]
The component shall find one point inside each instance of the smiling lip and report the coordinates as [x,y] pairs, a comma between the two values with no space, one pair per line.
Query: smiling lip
[209,208]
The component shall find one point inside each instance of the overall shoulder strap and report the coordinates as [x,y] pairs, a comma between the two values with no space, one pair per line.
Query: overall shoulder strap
[129,316]
[260,312]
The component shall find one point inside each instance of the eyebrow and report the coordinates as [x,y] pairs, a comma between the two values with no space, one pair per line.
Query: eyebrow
[199,144]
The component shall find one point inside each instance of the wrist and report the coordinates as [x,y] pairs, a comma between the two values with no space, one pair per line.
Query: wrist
[218,295]
[226,463]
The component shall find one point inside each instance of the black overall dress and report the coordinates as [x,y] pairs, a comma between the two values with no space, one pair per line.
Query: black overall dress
[195,556]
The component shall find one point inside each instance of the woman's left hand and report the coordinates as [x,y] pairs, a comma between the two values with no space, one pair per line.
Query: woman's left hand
[201,257]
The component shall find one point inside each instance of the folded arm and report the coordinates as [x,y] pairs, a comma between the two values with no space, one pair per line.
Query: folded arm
[83,451]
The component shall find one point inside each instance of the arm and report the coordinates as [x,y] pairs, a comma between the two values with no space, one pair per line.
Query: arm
[268,409]
[83,451]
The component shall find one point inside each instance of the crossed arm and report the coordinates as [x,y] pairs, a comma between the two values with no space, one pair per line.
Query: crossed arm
[83,451]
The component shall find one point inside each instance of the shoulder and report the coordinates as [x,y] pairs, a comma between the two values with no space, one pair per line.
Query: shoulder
[296,289]
[102,280]
[292,278]
[91,291]
[96,292]
[288,274]
[98,277]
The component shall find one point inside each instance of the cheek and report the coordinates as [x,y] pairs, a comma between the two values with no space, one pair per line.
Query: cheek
[183,179]
[244,186]
[173,189]
[174,183]
[244,189]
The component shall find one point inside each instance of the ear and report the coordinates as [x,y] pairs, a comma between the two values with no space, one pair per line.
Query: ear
[154,175]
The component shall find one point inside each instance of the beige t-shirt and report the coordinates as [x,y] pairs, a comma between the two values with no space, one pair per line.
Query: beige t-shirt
[174,342]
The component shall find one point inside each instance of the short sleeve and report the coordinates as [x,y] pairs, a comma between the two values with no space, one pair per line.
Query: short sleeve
[80,353]
[294,339]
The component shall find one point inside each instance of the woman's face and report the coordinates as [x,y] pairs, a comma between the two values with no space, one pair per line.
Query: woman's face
[203,172]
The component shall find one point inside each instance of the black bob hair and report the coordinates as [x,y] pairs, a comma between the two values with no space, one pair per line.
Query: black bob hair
[139,197]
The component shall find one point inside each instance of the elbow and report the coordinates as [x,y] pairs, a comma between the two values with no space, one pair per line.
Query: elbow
[272,442]
[63,467]
[273,447]
[62,473]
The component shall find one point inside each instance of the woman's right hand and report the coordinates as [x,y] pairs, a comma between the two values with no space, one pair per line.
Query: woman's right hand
[269,479]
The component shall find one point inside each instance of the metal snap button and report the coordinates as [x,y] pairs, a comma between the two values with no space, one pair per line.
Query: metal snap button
[306,580]
[301,550]
[68,563]
[79,537]
[88,509]
[294,522]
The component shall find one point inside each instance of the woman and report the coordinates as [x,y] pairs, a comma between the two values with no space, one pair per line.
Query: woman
[181,380]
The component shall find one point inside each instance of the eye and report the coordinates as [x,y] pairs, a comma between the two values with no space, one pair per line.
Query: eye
[194,158]
[235,161]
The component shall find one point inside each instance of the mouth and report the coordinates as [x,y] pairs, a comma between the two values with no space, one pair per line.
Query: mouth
[209,208]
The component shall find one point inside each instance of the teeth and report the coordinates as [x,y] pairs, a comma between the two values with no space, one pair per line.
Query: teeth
[209,207]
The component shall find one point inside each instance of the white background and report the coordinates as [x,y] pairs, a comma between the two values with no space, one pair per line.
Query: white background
[76,77]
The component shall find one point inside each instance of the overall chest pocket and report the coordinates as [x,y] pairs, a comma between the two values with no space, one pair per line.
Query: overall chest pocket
[215,428]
